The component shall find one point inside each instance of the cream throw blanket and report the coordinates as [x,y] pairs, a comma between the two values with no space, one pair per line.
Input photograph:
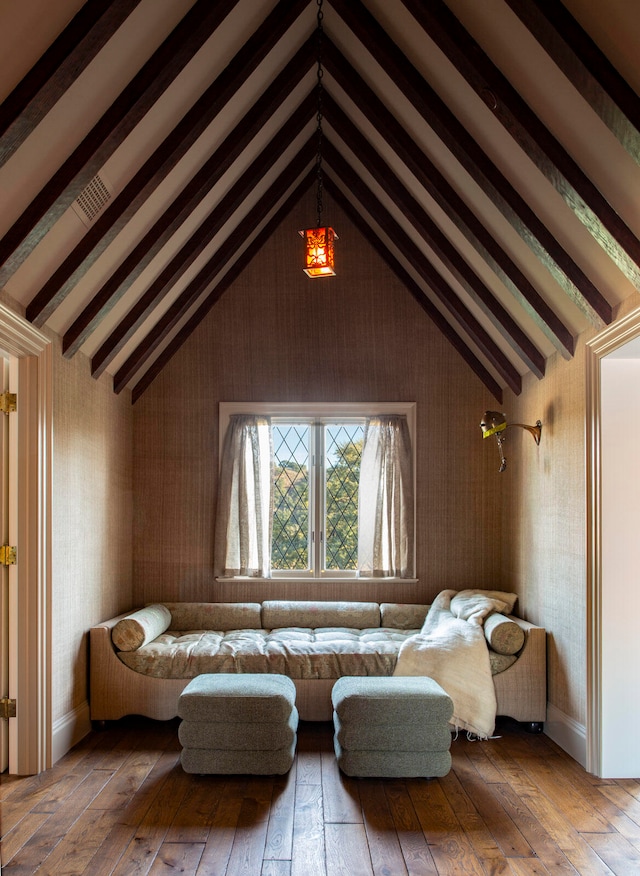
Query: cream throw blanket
[451,649]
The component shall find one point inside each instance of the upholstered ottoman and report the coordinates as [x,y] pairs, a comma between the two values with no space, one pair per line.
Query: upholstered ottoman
[391,726]
[238,723]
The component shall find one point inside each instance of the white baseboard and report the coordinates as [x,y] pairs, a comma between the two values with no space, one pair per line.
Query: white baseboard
[567,733]
[69,730]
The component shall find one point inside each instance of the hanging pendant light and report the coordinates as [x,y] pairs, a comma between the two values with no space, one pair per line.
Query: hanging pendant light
[318,241]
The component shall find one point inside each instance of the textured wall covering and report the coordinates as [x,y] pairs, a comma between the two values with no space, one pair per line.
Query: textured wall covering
[544,522]
[92,501]
[275,335]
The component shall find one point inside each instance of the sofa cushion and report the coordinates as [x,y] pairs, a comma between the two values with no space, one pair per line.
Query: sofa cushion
[140,627]
[214,615]
[503,635]
[297,652]
[277,613]
[402,616]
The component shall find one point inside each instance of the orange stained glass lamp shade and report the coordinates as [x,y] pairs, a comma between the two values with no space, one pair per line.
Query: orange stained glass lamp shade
[319,251]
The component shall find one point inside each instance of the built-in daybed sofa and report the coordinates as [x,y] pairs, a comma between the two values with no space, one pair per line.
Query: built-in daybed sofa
[141,661]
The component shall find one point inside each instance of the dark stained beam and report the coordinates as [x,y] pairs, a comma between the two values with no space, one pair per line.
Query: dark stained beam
[235,244]
[478,165]
[133,102]
[196,189]
[201,238]
[585,66]
[448,199]
[419,262]
[434,237]
[421,299]
[588,204]
[162,161]
[65,59]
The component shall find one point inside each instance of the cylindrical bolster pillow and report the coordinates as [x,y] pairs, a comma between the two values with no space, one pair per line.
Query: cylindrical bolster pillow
[140,627]
[503,635]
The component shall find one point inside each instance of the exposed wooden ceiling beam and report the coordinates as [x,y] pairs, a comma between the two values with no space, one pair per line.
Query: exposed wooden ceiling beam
[201,238]
[188,199]
[447,199]
[416,89]
[133,102]
[407,280]
[227,252]
[434,237]
[606,227]
[419,262]
[160,163]
[57,69]
[586,67]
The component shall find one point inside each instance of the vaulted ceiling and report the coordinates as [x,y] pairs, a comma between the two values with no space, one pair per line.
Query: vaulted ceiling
[489,150]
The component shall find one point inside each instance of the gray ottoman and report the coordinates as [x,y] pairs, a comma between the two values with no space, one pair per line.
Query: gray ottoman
[391,726]
[238,723]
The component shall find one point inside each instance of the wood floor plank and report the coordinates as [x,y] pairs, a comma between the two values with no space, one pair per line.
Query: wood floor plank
[384,845]
[631,786]
[273,867]
[72,857]
[618,854]
[415,849]
[149,835]
[192,823]
[177,858]
[308,832]
[475,826]
[217,849]
[279,842]
[448,843]
[339,792]
[528,867]
[126,780]
[56,827]
[120,803]
[567,791]
[347,850]
[502,826]
[247,852]
[534,833]
[20,834]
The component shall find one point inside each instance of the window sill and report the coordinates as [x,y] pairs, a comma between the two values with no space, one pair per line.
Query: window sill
[309,580]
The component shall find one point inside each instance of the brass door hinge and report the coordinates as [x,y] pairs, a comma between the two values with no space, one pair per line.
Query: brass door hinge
[8,402]
[7,708]
[7,555]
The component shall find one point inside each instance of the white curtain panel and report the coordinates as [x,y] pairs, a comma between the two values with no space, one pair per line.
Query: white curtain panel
[245,499]
[385,501]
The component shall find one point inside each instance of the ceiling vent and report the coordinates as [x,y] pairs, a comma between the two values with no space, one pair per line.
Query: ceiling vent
[92,200]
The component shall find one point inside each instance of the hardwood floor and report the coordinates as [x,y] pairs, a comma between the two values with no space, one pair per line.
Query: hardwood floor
[119,803]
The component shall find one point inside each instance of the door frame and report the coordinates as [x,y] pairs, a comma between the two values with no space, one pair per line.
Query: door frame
[31,367]
[613,337]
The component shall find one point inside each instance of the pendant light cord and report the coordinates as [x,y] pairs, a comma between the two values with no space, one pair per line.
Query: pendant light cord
[319,94]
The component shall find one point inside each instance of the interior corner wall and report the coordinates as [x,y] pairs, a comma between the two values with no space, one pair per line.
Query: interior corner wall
[91,528]
[276,335]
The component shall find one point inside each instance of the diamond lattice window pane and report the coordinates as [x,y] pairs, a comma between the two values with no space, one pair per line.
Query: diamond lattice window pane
[290,539]
[343,443]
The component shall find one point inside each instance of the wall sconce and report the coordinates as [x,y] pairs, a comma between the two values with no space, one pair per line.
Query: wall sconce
[495,423]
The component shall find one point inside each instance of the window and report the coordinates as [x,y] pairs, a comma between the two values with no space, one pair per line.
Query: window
[316,477]
[298,499]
